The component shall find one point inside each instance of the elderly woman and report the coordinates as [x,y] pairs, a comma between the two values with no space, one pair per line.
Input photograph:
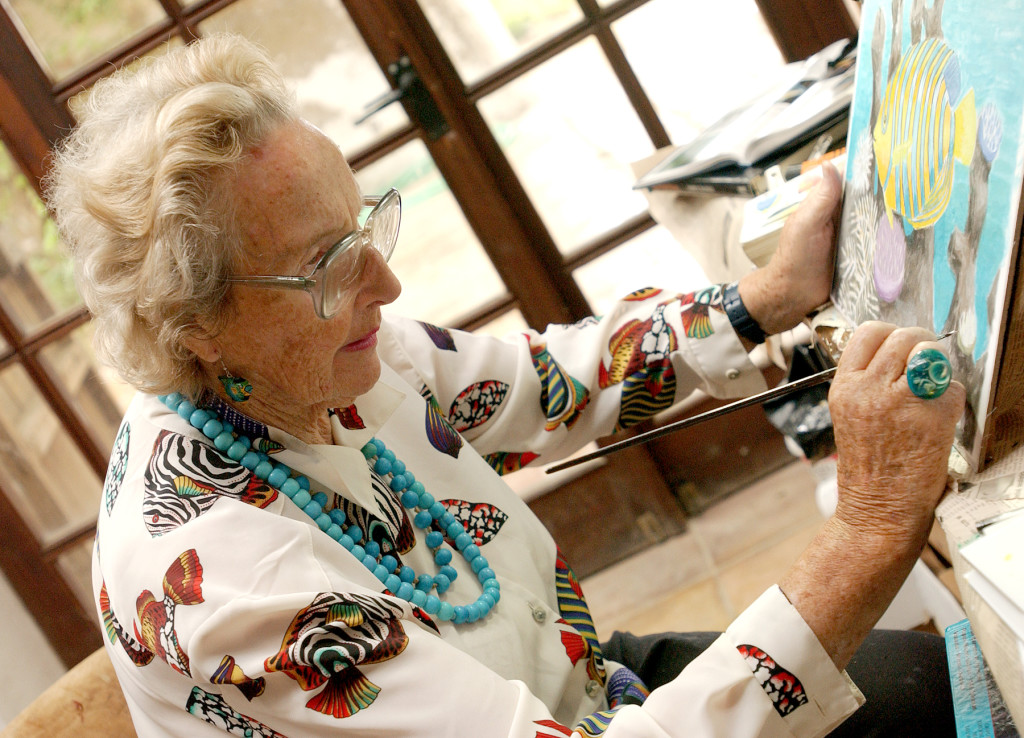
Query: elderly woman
[302,530]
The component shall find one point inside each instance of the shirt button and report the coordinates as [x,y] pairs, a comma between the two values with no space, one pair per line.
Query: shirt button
[733,374]
[593,688]
[540,615]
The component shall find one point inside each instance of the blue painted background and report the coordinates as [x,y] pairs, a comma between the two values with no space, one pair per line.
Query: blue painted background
[988,38]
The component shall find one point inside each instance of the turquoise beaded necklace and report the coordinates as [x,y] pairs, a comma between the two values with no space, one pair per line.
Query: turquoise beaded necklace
[400,580]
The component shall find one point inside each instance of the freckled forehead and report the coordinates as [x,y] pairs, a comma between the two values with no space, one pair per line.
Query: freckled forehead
[297,156]
[293,191]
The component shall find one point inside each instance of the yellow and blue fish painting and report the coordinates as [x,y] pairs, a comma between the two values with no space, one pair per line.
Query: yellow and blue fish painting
[932,198]
[924,123]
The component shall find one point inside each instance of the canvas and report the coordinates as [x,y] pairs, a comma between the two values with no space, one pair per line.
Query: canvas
[930,220]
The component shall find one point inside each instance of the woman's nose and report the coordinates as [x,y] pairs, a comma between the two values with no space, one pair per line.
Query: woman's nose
[378,284]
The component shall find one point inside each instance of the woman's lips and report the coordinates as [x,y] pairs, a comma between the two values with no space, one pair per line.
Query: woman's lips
[367,341]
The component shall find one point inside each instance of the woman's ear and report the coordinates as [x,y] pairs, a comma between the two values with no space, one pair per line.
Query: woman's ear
[203,346]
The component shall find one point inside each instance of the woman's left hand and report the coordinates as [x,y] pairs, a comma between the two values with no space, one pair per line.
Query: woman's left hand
[799,276]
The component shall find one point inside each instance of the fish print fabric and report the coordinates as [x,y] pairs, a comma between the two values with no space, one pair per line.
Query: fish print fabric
[227,611]
[116,466]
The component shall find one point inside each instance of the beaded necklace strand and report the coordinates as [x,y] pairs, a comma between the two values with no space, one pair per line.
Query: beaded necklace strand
[400,580]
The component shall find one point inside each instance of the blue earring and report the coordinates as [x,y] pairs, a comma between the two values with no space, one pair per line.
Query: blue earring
[238,389]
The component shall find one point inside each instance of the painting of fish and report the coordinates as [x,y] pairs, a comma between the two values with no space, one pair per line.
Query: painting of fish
[924,123]
[929,230]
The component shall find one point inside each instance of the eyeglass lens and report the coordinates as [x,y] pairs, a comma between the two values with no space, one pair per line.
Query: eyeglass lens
[382,225]
[380,231]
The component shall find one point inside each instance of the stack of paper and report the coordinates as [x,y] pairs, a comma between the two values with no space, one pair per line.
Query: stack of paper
[996,558]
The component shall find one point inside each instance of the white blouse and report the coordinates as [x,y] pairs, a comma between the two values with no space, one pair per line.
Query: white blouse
[227,609]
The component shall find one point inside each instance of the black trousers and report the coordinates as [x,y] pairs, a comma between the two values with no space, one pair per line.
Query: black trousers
[903,674]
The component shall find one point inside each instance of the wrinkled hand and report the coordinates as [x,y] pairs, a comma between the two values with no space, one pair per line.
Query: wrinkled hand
[893,451]
[893,447]
[799,276]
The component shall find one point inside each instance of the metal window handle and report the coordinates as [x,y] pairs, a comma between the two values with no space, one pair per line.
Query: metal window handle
[375,106]
[404,76]
[409,85]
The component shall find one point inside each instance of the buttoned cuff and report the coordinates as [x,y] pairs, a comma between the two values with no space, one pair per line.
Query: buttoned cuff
[796,673]
[721,360]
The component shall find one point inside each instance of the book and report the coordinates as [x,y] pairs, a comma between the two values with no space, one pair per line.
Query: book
[753,180]
[733,180]
[810,97]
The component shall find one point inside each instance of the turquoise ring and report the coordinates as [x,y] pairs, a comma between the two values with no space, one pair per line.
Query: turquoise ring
[928,374]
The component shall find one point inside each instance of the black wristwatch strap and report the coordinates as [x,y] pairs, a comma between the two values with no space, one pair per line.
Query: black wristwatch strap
[741,321]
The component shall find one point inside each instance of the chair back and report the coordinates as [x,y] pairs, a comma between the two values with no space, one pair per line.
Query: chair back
[84,703]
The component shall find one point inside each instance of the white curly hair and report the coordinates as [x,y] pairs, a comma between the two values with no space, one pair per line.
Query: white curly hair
[137,191]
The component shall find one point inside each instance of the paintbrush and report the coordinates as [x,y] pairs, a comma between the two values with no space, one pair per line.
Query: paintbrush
[758,399]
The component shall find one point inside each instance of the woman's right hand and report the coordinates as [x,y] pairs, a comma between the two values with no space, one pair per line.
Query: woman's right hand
[893,447]
[893,454]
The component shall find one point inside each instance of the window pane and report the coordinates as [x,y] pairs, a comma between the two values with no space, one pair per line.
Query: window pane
[42,471]
[68,34]
[321,54]
[36,282]
[75,565]
[571,134]
[481,36]
[96,391]
[509,323]
[652,259]
[444,270]
[75,103]
[722,54]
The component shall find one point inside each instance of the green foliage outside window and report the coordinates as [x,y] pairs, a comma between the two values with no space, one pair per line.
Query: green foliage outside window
[28,236]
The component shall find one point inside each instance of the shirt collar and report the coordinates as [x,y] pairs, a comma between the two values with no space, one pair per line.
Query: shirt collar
[352,426]
[356,424]
[342,467]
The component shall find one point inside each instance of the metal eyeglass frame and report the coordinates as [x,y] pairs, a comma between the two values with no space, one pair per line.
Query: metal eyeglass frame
[386,213]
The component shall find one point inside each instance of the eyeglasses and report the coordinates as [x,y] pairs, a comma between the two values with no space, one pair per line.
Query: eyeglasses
[339,268]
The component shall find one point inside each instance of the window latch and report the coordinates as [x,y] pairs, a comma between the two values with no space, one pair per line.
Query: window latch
[409,86]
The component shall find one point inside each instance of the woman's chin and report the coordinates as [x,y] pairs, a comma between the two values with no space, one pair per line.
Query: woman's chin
[354,381]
